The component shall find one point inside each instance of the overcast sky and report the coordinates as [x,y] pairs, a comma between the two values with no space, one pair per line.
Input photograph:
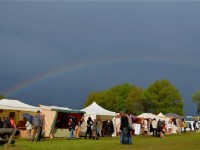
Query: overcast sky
[56,53]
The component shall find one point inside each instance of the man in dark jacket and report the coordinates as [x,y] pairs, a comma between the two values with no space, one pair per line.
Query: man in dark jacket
[159,127]
[37,123]
[89,129]
[125,137]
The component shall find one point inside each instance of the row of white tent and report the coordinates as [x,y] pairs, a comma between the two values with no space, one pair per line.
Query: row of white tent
[152,116]
[93,109]
[50,113]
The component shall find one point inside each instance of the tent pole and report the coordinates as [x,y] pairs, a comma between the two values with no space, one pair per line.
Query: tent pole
[18,118]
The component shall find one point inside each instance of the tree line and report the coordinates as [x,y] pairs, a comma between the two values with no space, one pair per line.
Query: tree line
[161,96]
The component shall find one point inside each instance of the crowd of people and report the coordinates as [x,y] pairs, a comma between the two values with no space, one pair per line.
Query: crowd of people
[95,128]
[158,128]
[7,122]
[151,127]
[35,124]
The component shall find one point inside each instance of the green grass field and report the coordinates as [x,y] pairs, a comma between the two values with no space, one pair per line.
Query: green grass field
[187,141]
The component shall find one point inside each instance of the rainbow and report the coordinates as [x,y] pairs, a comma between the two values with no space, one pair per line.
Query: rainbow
[69,69]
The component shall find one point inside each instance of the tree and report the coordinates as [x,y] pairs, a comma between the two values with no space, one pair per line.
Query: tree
[1,97]
[146,101]
[95,96]
[163,97]
[134,102]
[113,99]
[196,99]
[121,93]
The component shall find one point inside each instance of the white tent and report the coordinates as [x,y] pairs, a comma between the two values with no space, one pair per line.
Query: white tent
[97,112]
[95,109]
[148,116]
[15,109]
[7,104]
[161,115]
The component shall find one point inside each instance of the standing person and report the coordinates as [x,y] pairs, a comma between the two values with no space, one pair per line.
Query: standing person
[6,122]
[184,126]
[94,129]
[28,129]
[179,125]
[72,126]
[12,123]
[150,126]
[163,129]
[89,130]
[145,127]
[103,129]
[125,131]
[108,128]
[79,127]
[98,128]
[40,134]
[154,126]
[130,127]
[159,127]
[77,130]
[37,123]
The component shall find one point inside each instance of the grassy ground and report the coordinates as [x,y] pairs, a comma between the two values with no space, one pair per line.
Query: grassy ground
[185,141]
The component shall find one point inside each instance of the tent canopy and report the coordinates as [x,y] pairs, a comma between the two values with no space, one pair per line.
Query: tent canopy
[7,104]
[61,109]
[161,115]
[51,115]
[173,115]
[98,110]
[148,116]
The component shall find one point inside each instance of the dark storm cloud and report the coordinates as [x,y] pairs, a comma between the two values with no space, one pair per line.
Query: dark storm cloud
[161,39]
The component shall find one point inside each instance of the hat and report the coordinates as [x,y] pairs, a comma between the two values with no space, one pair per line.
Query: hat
[38,111]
